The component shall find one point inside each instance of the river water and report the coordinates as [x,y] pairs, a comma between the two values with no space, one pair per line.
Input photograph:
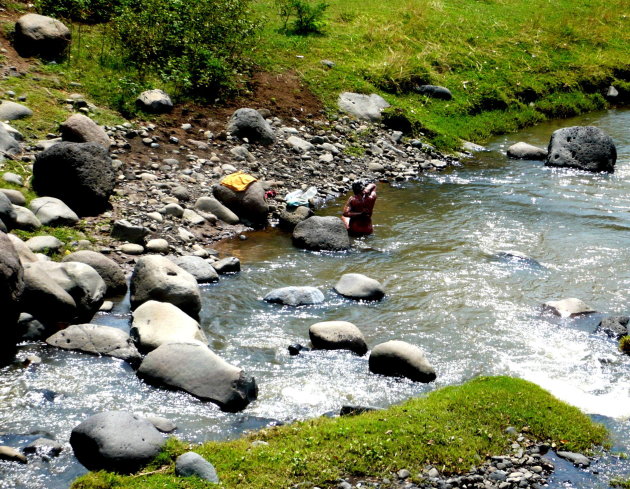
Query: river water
[437,248]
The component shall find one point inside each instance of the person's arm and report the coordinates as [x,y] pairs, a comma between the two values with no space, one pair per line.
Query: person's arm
[347,210]
[370,190]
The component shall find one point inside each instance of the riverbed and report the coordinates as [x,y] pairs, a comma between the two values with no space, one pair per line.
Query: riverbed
[439,248]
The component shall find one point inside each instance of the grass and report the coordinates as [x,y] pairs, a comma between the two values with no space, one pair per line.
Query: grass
[620,483]
[453,429]
[624,345]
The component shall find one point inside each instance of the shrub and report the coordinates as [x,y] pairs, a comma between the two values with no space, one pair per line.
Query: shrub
[624,345]
[195,44]
[308,17]
[92,11]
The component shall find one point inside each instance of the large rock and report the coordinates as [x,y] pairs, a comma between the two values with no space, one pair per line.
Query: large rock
[525,151]
[158,278]
[123,230]
[25,219]
[79,128]
[43,244]
[191,463]
[213,206]
[8,143]
[435,91]
[248,123]
[52,211]
[359,287]
[321,233]
[116,441]
[250,206]
[80,174]
[289,218]
[11,111]
[98,340]
[568,307]
[401,359]
[15,196]
[24,253]
[45,299]
[193,368]
[583,147]
[154,101]
[197,267]
[614,326]
[11,288]
[37,35]
[7,212]
[157,323]
[230,264]
[337,335]
[365,107]
[295,296]
[111,273]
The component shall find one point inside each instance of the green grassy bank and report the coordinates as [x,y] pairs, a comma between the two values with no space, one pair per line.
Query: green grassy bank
[452,429]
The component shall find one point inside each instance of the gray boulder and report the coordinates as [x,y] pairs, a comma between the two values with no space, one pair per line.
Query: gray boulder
[359,287]
[365,107]
[231,264]
[111,273]
[157,323]
[154,101]
[576,459]
[197,267]
[15,196]
[289,218]
[248,123]
[7,212]
[193,368]
[123,230]
[11,111]
[298,144]
[614,326]
[53,212]
[11,289]
[213,206]
[163,425]
[42,244]
[337,335]
[435,91]
[158,278]
[295,296]
[321,233]
[116,441]
[24,253]
[81,174]
[568,307]
[79,128]
[30,329]
[44,447]
[191,463]
[401,359]
[583,147]
[25,219]
[250,206]
[8,144]
[98,340]
[525,151]
[10,454]
[37,35]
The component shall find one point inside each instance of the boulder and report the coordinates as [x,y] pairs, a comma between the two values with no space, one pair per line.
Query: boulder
[45,299]
[116,441]
[38,35]
[568,307]
[193,368]
[359,287]
[44,447]
[337,335]
[111,273]
[434,91]
[123,230]
[401,359]
[154,101]
[321,233]
[7,212]
[248,123]
[289,218]
[158,278]
[25,219]
[582,147]
[213,206]
[157,323]
[79,128]
[157,246]
[11,111]
[8,144]
[250,206]
[191,463]
[163,425]
[11,289]
[84,285]
[365,107]
[15,196]
[81,174]
[30,329]
[13,132]
[298,144]
[231,264]
[42,244]
[525,151]
[10,454]
[614,326]
[98,340]
[295,296]
[53,212]
[199,268]
[24,253]
[576,459]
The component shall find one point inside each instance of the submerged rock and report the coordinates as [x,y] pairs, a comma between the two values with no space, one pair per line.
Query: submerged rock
[614,326]
[360,287]
[295,296]
[568,307]
[526,151]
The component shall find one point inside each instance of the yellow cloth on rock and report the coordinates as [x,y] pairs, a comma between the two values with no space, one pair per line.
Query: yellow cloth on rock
[238,181]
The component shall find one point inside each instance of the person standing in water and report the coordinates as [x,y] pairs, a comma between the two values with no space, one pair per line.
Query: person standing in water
[357,213]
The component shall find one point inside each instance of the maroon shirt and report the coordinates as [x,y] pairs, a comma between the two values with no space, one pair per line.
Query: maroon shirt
[359,209]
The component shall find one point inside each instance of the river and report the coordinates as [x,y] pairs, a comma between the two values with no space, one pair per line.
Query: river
[437,249]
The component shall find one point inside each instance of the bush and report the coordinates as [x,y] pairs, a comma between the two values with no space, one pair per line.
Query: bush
[624,345]
[309,17]
[194,44]
[92,11]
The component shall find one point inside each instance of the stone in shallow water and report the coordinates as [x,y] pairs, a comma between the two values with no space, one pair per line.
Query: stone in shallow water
[401,359]
[568,307]
[360,287]
[295,296]
[337,335]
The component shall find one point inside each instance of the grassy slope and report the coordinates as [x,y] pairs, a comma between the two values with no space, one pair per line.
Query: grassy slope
[453,429]
[496,56]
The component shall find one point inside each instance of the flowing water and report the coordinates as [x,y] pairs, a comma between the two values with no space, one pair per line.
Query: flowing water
[438,249]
